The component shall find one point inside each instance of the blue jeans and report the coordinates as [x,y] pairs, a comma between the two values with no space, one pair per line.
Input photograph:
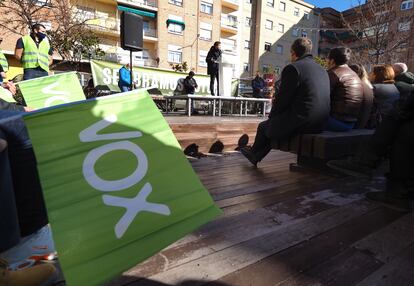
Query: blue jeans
[125,88]
[34,73]
[22,165]
[339,126]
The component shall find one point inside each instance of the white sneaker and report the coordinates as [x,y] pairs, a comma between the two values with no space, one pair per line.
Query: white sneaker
[35,247]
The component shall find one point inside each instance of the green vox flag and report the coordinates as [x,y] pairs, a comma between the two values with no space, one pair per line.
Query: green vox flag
[52,90]
[117,186]
[6,95]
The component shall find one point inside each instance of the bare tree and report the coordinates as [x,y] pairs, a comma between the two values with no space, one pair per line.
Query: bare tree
[375,27]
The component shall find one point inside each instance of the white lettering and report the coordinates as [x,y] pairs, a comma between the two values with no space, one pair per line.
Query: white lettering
[133,207]
[115,185]
[90,134]
[107,74]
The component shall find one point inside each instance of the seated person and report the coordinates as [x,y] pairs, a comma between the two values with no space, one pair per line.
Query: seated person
[386,94]
[302,105]
[368,99]
[404,80]
[190,83]
[346,91]
[394,138]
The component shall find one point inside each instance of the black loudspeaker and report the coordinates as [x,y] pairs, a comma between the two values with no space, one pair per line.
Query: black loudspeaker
[132,37]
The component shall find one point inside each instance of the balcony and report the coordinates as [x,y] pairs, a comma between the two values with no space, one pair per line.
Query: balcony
[229,24]
[106,26]
[150,35]
[228,46]
[232,4]
[145,4]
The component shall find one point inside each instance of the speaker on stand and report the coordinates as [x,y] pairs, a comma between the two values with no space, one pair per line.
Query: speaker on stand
[132,37]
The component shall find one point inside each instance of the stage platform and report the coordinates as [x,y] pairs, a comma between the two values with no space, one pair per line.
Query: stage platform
[285,228]
[207,130]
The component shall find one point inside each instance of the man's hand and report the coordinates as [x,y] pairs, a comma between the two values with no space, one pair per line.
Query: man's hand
[28,109]
[10,87]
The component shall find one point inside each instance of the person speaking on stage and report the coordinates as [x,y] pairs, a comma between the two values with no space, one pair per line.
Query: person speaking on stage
[213,59]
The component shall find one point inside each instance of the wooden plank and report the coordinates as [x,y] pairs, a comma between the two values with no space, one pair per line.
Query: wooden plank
[399,271]
[385,244]
[347,268]
[299,258]
[228,260]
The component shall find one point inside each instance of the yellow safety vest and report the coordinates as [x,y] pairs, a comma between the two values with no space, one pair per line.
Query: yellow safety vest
[3,62]
[34,56]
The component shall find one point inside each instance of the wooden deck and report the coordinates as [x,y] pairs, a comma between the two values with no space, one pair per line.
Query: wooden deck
[206,130]
[284,228]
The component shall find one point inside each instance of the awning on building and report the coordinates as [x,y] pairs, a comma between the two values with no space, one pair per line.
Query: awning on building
[171,21]
[136,11]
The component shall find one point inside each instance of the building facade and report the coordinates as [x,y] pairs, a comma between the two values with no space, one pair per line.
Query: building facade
[269,29]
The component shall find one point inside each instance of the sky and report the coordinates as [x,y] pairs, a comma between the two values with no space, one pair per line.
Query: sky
[339,5]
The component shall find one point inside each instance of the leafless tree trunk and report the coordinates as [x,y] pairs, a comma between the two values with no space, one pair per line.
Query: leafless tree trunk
[375,30]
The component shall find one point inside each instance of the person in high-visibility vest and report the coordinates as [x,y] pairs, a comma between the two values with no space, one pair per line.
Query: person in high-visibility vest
[4,64]
[35,53]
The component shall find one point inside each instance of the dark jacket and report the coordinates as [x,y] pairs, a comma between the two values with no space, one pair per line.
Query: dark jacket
[386,96]
[190,85]
[303,102]
[4,105]
[212,59]
[407,77]
[258,84]
[346,94]
[405,84]
[366,106]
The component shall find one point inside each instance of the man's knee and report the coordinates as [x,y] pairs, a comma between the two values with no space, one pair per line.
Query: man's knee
[3,145]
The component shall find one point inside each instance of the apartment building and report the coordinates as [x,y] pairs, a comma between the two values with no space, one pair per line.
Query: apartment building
[269,29]
[398,24]
[175,31]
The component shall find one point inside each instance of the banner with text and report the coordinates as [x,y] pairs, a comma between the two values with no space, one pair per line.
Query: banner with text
[106,76]
[52,90]
[117,185]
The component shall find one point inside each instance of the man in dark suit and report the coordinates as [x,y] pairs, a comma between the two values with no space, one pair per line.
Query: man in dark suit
[302,106]
[213,60]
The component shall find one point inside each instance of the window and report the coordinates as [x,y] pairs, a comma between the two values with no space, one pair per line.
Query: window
[295,32]
[246,67]
[270,3]
[404,26]
[206,7]
[249,1]
[174,54]
[175,29]
[248,22]
[247,44]
[206,31]
[266,68]
[296,12]
[407,5]
[282,6]
[306,15]
[176,2]
[202,58]
[304,34]
[83,13]
[281,28]
[269,25]
[268,46]
[279,49]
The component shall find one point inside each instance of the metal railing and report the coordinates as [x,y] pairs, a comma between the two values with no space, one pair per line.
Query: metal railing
[150,33]
[150,3]
[229,21]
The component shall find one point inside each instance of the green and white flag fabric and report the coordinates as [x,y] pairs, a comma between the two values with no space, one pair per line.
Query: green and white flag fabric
[6,95]
[52,90]
[117,185]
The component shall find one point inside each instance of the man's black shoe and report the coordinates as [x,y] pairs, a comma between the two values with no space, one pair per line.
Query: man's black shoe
[249,155]
[351,167]
[397,203]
